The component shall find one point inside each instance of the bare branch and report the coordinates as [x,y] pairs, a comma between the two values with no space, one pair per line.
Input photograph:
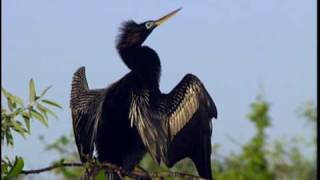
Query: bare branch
[49,168]
[113,168]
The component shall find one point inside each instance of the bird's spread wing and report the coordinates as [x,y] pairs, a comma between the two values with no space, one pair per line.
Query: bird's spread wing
[188,98]
[181,117]
[189,110]
[86,106]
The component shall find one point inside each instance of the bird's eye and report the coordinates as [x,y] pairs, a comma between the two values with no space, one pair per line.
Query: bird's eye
[149,25]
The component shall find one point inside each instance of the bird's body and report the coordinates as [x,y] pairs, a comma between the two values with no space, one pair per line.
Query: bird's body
[117,142]
[132,116]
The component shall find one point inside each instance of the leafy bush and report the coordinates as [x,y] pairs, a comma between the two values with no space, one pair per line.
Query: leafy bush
[16,118]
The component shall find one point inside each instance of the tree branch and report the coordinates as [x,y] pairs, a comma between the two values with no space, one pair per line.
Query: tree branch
[113,168]
[49,168]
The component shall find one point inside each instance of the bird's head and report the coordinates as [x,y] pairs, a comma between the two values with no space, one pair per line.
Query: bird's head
[134,34]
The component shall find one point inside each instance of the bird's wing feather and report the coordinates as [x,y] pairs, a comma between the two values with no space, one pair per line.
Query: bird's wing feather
[142,117]
[86,106]
[184,101]
[189,110]
[161,126]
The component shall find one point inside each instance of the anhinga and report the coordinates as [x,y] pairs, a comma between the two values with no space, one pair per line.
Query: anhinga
[132,116]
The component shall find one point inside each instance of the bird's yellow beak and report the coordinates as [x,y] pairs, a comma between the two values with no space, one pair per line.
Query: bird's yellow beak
[166,17]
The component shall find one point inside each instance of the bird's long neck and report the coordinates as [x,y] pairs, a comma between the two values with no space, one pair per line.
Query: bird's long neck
[144,62]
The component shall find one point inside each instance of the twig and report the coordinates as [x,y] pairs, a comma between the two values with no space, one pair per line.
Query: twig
[113,168]
[49,168]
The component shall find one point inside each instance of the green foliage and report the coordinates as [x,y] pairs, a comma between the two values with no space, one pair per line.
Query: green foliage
[11,169]
[65,147]
[16,168]
[16,118]
[252,162]
[288,161]
[183,166]
[258,159]
[310,112]
[101,175]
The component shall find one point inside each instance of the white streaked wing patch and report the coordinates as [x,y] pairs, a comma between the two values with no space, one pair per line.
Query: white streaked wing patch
[185,110]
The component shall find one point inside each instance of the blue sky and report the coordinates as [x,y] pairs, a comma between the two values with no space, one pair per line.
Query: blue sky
[236,47]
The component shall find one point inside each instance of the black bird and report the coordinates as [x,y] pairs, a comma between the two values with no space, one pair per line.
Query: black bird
[133,116]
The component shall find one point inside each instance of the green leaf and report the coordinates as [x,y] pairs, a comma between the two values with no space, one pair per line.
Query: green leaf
[18,100]
[39,116]
[12,99]
[17,112]
[52,113]
[51,103]
[49,111]
[3,111]
[101,175]
[17,126]
[4,167]
[69,174]
[26,118]
[11,103]
[8,161]
[5,93]
[43,110]
[45,91]
[9,138]
[32,91]
[17,167]
[62,161]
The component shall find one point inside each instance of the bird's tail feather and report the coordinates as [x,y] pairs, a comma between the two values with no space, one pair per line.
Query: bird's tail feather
[202,160]
[79,85]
